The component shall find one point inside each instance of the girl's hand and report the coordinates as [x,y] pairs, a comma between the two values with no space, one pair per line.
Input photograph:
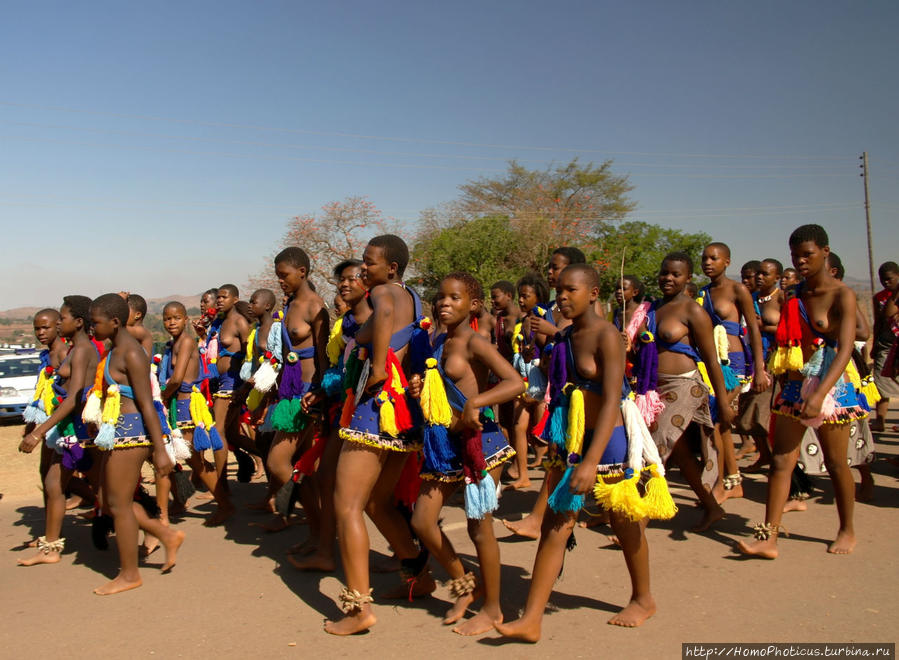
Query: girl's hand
[583,478]
[471,417]
[415,385]
[162,462]
[811,408]
[29,442]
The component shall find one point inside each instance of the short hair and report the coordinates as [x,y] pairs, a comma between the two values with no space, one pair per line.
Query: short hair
[210,292]
[294,256]
[177,305]
[346,263]
[777,265]
[834,261]
[137,303]
[243,308]
[721,246]
[692,289]
[886,268]
[753,265]
[267,296]
[48,311]
[537,283]
[505,286]
[682,257]
[636,284]
[589,273]
[807,233]
[113,306]
[475,290]
[395,250]
[573,255]
[230,288]
[80,308]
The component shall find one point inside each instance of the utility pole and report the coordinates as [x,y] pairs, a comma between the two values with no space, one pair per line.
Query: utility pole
[864,175]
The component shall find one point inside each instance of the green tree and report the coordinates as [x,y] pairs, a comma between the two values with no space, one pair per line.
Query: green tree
[644,246]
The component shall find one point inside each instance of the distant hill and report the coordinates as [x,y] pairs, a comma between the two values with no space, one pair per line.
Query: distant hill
[20,313]
[154,306]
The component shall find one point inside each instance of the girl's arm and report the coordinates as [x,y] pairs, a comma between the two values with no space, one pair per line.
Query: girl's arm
[509,387]
[78,378]
[138,372]
[701,331]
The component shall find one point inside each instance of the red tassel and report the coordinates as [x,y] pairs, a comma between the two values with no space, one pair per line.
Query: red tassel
[397,394]
[309,459]
[349,407]
[473,463]
[409,484]
[537,429]
[474,323]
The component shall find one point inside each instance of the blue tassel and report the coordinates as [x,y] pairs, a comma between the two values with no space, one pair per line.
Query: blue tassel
[536,382]
[201,439]
[438,451]
[52,438]
[105,437]
[863,402]
[419,350]
[215,439]
[731,382]
[480,498]
[34,414]
[246,371]
[332,382]
[274,343]
[562,499]
[163,418]
[554,432]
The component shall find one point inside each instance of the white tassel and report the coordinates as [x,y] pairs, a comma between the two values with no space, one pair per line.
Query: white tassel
[265,376]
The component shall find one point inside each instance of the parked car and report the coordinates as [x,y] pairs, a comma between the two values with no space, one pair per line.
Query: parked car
[18,378]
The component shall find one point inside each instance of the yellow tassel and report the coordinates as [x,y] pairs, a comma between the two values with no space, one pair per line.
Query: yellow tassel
[869,389]
[336,344]
[199,411]
[112,405]
[794,359]
[251,344]
[434,403]
[852,374]
[387,416]
[721,345]
[622,497]
[657,502]
[775,361]
[516,338]
[254,398]
[704,372]
[575,441]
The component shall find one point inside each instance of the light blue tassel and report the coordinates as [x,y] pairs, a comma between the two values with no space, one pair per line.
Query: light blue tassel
[562,499]
[480,498]
[274,343]
[201,439]
[215,439]
[536,382]
[437,449]
[332,382]
[105,437]
[52,438]
[246,371]
[813,366]
[558,421]
[731,382]
[520,365]
[34,413]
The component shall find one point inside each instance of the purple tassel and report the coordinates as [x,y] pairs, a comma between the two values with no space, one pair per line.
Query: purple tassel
[291,380]
[558,368]
[647,367]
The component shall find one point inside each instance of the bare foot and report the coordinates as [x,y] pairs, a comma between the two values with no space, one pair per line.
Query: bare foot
[747,449]
[204,497]
[307,547]
[149,546]
[171,549]
[314,562]
[417,587]
[757,468]
[635,613]
[352,623]
[40,558]
[259,474]
[457,611]
[518,484]
[843,544]
[763,549]
[73,502]
[478,624]
[528,527]
[118,585]
[219,516]
[521,630]
[721,493]
[614,540]
[795,505]
[267,505]
[512,473]
[709,517]
[865,491]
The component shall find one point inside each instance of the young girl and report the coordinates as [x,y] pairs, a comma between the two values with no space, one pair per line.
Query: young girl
[472,451]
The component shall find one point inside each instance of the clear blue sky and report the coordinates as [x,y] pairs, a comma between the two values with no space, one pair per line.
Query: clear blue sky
[161,147]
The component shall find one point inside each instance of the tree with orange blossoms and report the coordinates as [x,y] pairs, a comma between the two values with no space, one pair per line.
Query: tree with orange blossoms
[340,231]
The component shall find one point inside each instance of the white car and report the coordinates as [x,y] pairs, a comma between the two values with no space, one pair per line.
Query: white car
[18,378]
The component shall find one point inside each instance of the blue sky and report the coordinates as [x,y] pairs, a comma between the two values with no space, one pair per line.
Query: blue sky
[162,147]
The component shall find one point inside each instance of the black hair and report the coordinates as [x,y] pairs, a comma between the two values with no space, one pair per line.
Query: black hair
[691,289]
[573,255]
[791,270]
[113,306]
[267,296]
[343,265]
[177,305]
[48,311]
[683,257]
[243,308]
[588,272]
[834,261]
[636,284]
[210,292]
[137,303]
[537,283]
[395,251]
[886,268]
[294,256]
[807,233]
[777,265]
[721,246]
[753,265]
[230,288]
[80,308]
[475,290]
[505,286]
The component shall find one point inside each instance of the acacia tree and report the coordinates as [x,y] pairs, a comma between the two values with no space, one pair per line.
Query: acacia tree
[340,231]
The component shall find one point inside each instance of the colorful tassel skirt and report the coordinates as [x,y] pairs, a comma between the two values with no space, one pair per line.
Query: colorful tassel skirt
[493,443]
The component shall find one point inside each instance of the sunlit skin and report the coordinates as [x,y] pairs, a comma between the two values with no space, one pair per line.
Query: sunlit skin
[789,278]
[468,358]
[832,311]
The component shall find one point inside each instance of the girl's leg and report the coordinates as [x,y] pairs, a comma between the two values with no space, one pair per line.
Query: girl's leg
[529,526]
[120,476]
[55,510]
[684,459]
[221,491]
[521,420]
[171,539]
[632,539]
[834,441]
[882,408]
